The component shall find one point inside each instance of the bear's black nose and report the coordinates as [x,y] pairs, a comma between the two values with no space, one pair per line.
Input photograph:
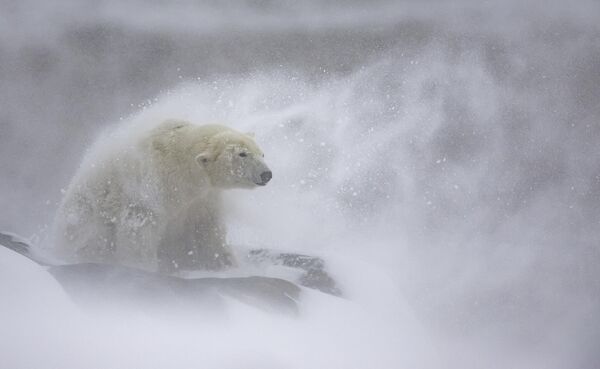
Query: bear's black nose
[266,177]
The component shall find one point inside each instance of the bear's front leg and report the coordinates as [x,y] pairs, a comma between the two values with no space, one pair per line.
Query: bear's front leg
[195,240]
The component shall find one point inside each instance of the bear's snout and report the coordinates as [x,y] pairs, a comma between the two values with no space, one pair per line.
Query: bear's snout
[265,177]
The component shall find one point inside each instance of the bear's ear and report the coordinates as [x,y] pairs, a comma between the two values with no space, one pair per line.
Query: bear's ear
[202,158]
[250,134]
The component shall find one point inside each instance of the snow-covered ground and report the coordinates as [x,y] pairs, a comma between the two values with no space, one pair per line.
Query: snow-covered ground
[442,158]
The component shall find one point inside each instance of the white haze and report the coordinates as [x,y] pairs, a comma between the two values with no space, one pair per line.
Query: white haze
[442,158]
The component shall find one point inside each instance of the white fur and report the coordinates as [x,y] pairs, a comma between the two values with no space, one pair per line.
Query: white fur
[152,199]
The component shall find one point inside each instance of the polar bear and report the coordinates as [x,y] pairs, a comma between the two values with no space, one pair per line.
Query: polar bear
[151,200]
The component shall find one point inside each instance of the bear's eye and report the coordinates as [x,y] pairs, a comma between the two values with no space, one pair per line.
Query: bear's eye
[243,154]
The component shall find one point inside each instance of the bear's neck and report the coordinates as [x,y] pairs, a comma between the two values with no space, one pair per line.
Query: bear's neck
[185,185]
[182,179]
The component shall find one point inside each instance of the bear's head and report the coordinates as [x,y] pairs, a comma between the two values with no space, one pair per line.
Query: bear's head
[233,160]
